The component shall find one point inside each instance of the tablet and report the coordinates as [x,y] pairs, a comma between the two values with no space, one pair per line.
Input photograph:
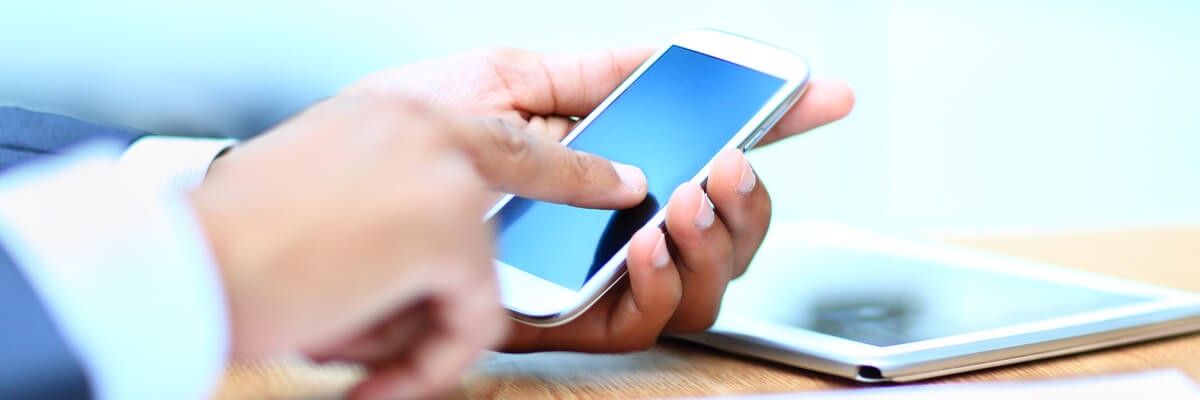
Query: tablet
[874,308]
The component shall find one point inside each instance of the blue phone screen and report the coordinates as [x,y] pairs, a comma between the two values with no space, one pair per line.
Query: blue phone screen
[670,122]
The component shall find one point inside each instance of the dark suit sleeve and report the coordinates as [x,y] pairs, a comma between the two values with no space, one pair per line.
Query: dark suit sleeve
[27,134]
[35,360]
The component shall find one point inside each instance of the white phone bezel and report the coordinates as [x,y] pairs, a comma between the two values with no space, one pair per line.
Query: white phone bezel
[543,303]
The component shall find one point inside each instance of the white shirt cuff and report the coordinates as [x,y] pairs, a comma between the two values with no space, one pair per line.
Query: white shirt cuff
[171,161]
[124,270]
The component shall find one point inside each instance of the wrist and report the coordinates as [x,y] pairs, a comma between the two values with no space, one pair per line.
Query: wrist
[219,247]
[235,214]
[215,203]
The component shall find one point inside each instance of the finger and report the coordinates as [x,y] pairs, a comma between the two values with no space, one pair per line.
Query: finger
[431,368]
[470,297]
[467,324]
[514,161]
[654,292]
[553,127]
[825,101]
[477,313]
[704,256]
[742,203]
[391,338]
[565,84]
[574,84]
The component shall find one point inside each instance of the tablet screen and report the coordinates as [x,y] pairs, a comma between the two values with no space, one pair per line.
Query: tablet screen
[885,300]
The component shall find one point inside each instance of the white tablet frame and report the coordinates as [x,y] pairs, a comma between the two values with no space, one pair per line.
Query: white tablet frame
[1170,312]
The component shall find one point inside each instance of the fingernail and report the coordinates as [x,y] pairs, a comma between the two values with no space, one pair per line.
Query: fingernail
[704,216]
[660,257]
[746,183]
[631,176]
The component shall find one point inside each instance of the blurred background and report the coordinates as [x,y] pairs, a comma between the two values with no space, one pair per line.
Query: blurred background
[972,118]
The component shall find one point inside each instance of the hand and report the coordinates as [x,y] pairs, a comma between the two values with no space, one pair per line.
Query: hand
[369,247]
[542,93]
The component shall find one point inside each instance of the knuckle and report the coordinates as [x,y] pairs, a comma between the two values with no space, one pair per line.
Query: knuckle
[642,343]
[585,171]
[628,338]
[586,168]
[737,273]
[504,55]
[697,323]
[514,143]
[507,150]
[513,67]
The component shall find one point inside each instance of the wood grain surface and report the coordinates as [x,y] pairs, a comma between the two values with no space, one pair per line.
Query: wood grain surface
[1167,256]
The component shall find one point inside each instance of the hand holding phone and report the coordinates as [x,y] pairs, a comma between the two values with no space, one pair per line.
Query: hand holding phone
[546,94]
[706,93]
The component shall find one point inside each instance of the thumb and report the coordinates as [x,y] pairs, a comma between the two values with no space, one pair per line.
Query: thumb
[514,161]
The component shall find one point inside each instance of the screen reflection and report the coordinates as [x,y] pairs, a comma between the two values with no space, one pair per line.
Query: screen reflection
[883,300]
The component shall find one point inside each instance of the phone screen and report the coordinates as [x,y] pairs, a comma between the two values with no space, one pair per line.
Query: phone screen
[669,122]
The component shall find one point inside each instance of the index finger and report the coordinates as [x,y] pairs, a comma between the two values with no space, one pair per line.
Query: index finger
[514,161]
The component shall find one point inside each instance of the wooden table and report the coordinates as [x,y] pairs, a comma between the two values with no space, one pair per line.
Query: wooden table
[1168,257]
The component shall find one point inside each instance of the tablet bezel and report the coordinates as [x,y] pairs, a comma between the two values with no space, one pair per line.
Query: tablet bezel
[1166,312]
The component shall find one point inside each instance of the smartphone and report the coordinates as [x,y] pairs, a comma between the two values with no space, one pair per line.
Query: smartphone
[704,92]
